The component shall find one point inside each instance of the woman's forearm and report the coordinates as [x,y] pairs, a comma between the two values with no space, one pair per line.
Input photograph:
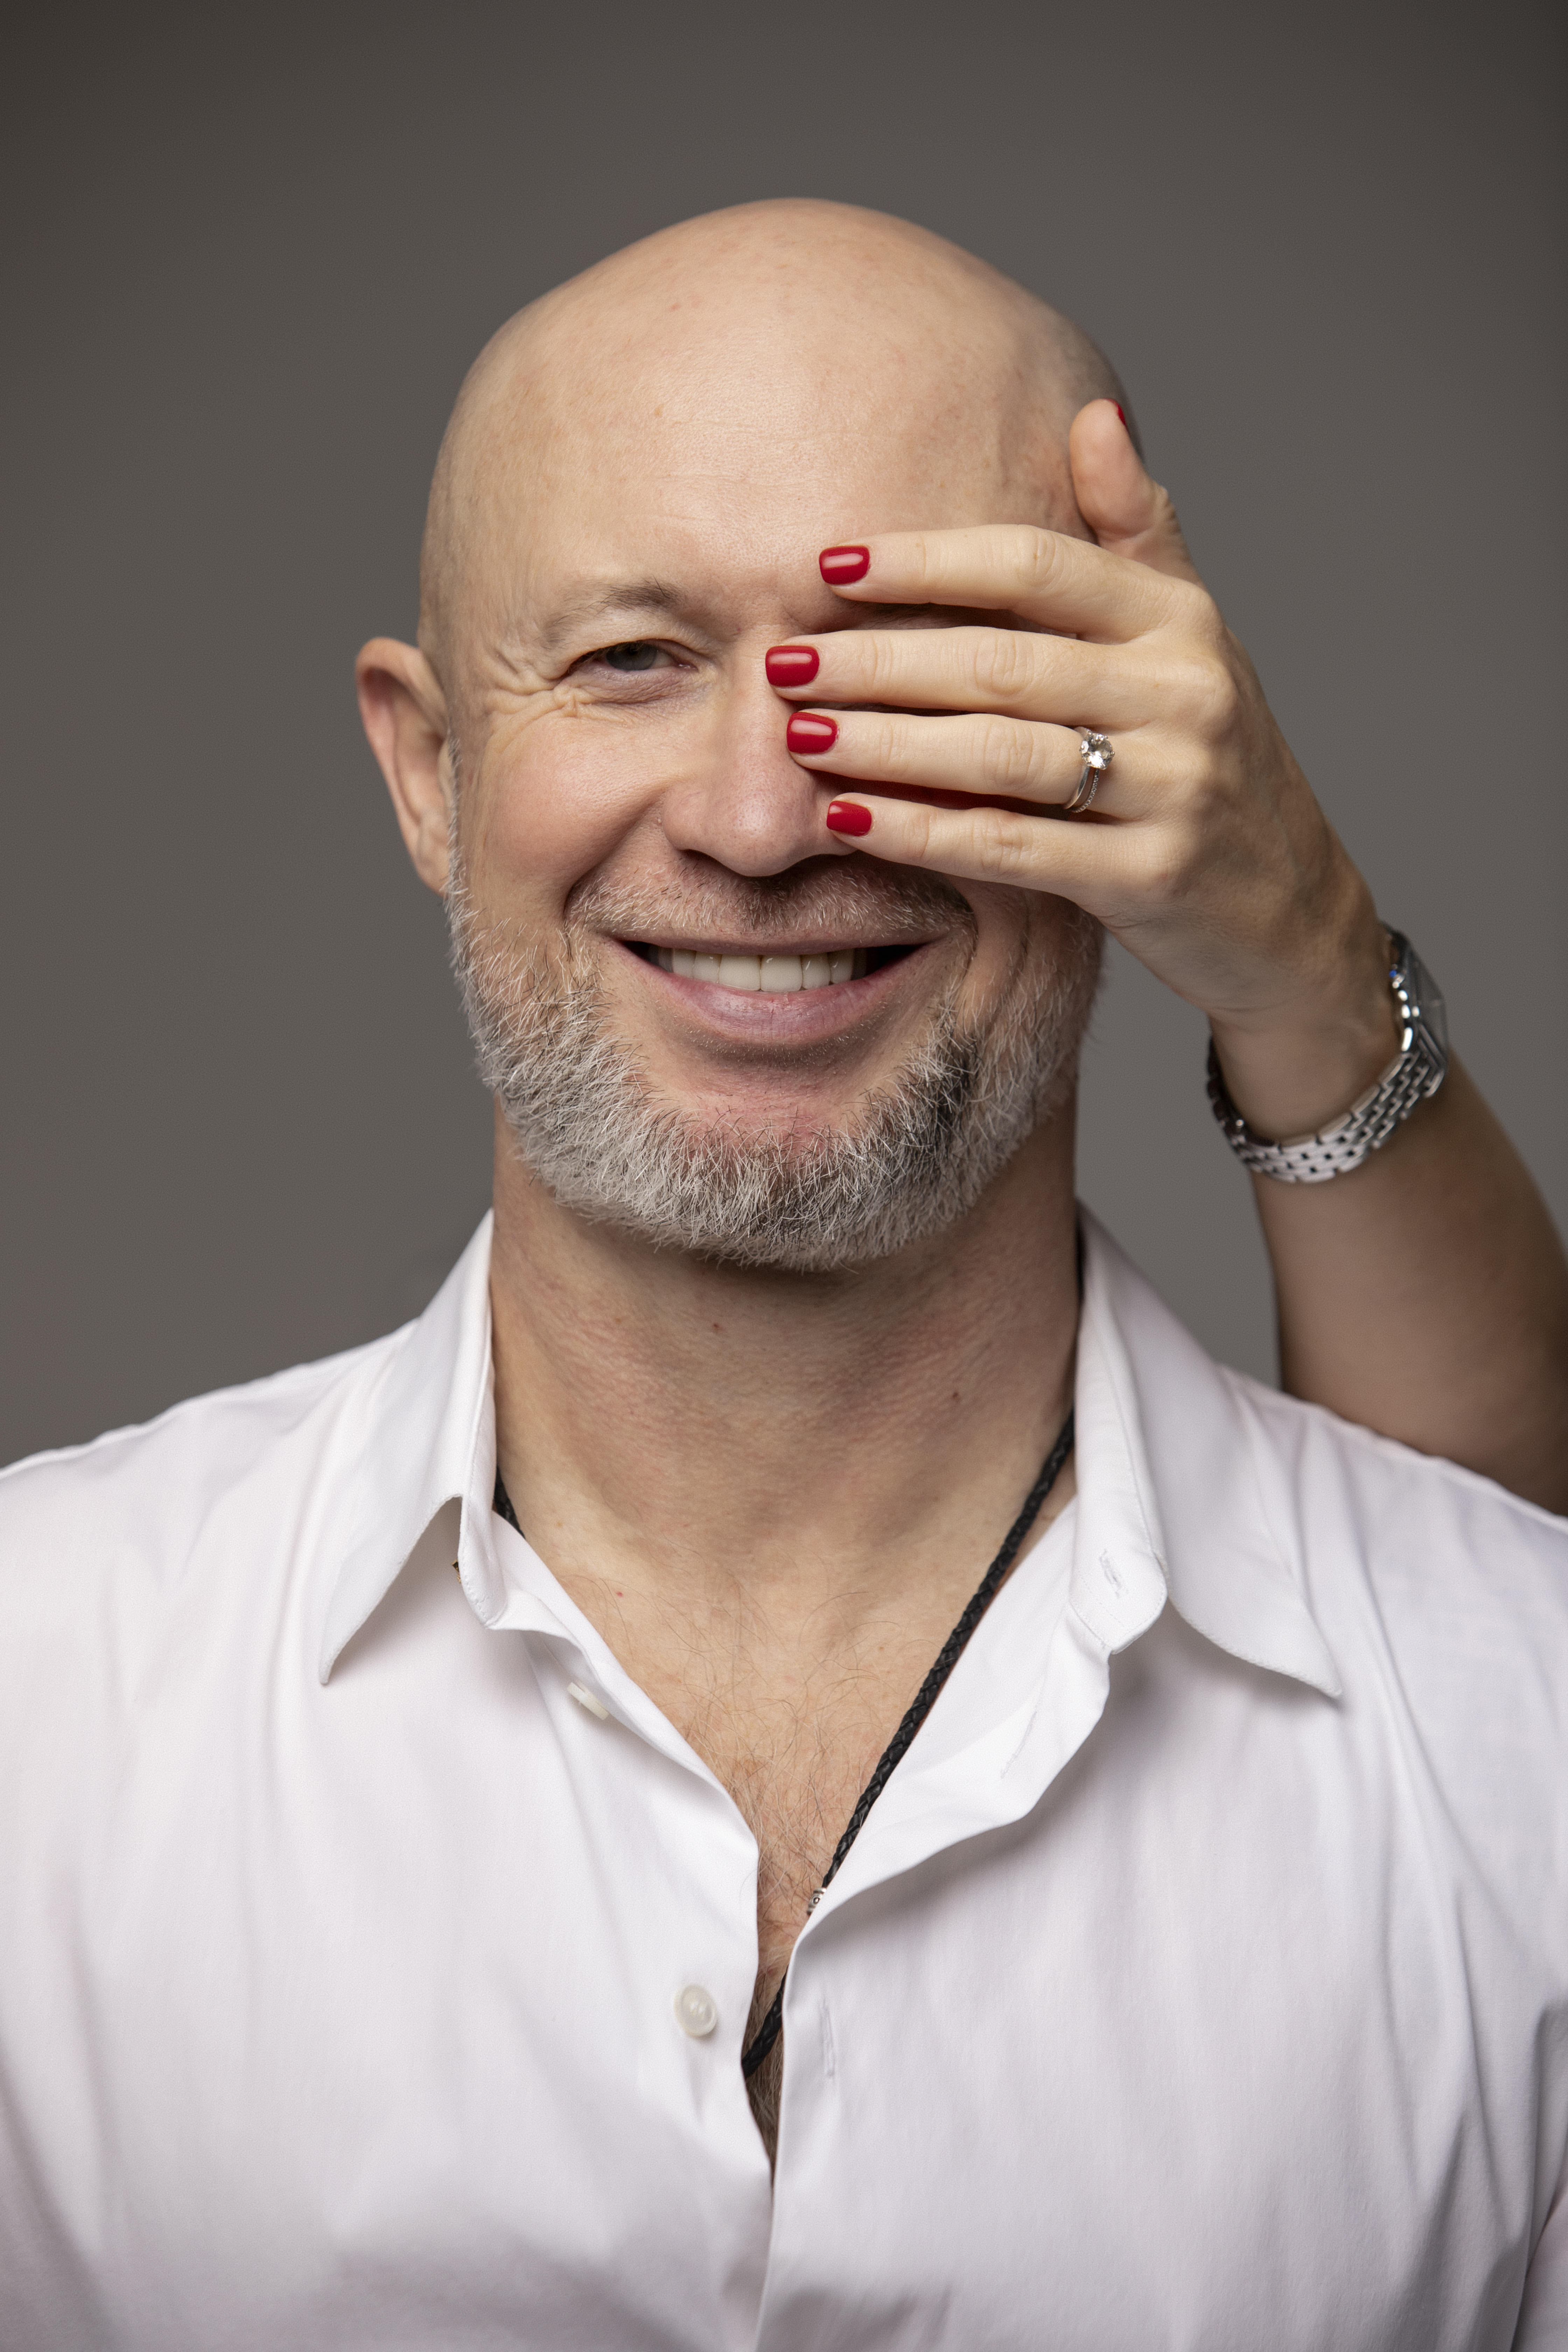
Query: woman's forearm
[1427,1295]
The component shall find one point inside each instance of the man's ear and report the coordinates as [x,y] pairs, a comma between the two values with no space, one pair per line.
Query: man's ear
[405,714]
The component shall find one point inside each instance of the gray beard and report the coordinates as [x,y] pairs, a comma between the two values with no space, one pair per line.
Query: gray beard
[919,1152]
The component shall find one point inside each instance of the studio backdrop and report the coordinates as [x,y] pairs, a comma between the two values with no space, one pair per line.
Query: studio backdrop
[250,254]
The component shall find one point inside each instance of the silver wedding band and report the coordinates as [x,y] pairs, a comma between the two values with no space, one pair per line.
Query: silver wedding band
[1097,755]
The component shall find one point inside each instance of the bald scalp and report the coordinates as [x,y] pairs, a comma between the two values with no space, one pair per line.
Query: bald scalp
[874,316]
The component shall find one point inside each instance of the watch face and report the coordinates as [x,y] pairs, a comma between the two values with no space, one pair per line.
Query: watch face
[1429,1005]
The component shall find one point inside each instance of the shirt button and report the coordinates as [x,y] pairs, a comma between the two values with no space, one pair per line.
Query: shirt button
[696,2011]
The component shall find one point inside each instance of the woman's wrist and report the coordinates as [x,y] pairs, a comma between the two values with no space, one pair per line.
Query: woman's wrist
[1294,1072]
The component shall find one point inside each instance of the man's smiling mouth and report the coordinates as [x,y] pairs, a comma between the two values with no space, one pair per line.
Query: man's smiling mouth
[771,975]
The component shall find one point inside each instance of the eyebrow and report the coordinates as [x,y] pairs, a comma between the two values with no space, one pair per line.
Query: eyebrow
[654,598]
[634,598]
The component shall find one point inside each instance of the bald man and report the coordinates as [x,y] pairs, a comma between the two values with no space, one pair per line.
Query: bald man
[793,1765]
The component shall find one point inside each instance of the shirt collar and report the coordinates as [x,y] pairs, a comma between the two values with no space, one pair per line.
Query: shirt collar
[1170,1497]
[427,1435]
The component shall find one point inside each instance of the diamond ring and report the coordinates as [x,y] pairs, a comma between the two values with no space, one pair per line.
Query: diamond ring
[1097,755]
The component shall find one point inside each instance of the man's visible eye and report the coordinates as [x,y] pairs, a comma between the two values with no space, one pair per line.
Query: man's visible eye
[635,658]
[639,653]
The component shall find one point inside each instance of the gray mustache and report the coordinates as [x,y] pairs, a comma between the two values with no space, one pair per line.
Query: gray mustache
[835,897]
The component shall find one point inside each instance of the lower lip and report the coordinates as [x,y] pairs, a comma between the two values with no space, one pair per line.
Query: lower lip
[798,1015]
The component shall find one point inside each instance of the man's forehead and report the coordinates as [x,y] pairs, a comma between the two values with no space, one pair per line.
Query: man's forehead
[632,511]
[647,422]
[632,560]
[725,416]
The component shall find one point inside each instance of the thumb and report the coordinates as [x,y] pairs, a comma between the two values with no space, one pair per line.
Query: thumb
[1127,512]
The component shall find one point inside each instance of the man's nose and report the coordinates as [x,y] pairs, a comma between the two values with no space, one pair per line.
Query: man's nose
[743,802]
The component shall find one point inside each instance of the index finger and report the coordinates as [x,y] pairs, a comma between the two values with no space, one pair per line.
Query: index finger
[1069,585]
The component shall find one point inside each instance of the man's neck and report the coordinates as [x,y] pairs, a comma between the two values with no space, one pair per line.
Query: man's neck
[666,1424]
[773,1494]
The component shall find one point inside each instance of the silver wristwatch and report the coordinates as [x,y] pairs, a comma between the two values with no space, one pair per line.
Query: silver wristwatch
[1417,1071]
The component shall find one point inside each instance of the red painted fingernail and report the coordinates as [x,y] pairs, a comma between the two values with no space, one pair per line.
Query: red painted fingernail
[1121,411]
[845,816]
[806,733]
[840,565]
[791,665]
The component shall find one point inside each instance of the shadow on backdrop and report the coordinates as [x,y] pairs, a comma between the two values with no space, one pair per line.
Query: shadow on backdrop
[251,262]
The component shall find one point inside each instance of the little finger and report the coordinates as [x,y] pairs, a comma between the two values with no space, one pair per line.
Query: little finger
[1014,848]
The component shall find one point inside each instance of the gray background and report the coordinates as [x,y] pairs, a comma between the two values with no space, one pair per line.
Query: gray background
[249,256]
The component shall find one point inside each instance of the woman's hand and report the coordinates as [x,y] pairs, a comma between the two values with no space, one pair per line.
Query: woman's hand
[1425,1293]
[1204,852]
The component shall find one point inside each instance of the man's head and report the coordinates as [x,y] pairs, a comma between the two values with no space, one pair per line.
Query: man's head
[584,753]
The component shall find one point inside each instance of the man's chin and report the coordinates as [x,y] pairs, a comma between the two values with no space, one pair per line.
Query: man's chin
[765,1181]
[763,1121]
[805,1169]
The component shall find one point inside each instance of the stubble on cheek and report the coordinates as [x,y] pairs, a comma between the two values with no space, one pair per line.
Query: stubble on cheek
[807,1165]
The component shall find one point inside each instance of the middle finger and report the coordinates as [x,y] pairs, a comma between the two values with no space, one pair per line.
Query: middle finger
[1012,672]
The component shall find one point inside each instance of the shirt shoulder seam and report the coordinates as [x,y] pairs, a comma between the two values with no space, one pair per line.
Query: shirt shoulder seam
[311,1378]
[1275,1402]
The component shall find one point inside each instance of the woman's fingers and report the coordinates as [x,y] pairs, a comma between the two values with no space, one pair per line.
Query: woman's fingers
[1013,672]
[1129,514]
[1041,575]
[979,755]
[1202,850]
[1090,864]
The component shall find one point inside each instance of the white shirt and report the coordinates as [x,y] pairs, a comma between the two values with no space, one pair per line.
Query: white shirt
[1199,1980]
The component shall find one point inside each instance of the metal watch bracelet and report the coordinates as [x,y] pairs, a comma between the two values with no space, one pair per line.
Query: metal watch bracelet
[1417,1071]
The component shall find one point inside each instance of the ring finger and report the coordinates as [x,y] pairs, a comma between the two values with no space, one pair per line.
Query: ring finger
[979,754]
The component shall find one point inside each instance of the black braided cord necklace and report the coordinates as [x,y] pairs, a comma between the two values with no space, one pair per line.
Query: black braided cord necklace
[925,1698]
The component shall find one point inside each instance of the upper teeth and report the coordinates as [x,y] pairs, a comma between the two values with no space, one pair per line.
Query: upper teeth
[777,975]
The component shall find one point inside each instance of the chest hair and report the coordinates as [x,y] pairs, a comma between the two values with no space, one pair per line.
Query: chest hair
[795,1790]
[792,1738]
